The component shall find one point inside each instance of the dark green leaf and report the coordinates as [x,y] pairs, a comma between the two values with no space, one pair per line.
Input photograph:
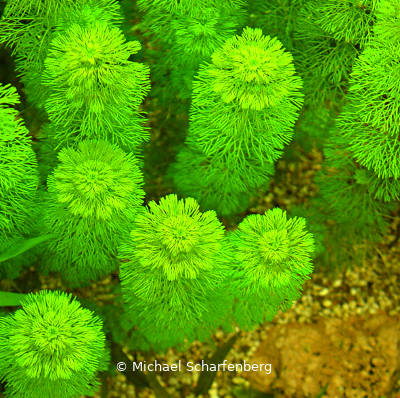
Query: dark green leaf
[23,246]
[8,299]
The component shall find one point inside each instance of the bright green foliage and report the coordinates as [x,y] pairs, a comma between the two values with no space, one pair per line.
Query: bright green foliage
[181,275]
[93,196]
[370,121]
[271,258]
[18,178]
[244,106]
[18,167]
[246,101]
[361,170]
[95,90]
[188,6]
[28,26]
[172,271]
[388,29]
[328,37]
[190,34]
[51,346]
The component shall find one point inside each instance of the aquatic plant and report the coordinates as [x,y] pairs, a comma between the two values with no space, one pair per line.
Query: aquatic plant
[174,252]
[18,177]
[187,35]
[244,106]
[93,196]
[94,89]
[227,101]
[271,259]
[328,37]
[51,344]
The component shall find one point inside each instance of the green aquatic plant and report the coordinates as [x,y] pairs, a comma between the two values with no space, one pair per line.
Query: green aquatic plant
[328,37]
[18,178]
[93,195]
[94,89]
[51,345]
[370,122]
[359,180]
[187,35]
[172,269]
[244,106]
[18,166]
[244,278]
[347,194]
[271,259]
[28,27]
[84,84]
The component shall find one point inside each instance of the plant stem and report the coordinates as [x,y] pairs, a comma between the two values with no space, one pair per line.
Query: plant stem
[207,377]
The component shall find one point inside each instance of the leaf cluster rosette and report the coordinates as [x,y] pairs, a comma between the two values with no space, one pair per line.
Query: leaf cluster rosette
[28,27]
[172,271]
[94,88]
[271,259]
[328,36]
[93,195]
[246,101]
[51,345]
[244,106]
[18,177]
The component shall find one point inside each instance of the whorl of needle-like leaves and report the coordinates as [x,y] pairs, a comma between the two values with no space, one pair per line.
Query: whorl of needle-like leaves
[200,35]
[349,21]
[93,195]
[18,166]
[388,28]
[41,16]
[253,71]
[28,27]
[171,271]
[96,181]
[244,106]
[271,260]
[51,345]
[174,239]
[246,101]
[95,90]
